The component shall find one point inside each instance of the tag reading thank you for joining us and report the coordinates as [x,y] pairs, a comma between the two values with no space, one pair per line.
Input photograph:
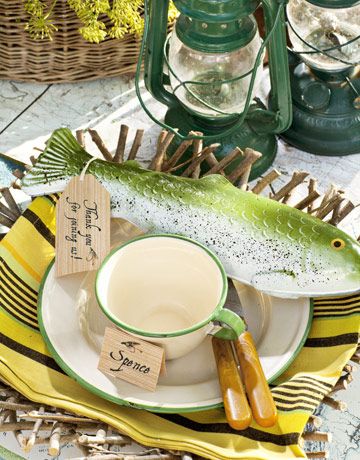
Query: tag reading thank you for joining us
[82,226]
[129,358]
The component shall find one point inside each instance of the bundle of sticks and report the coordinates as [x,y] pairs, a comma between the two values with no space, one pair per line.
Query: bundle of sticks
[29,421]
[331,206]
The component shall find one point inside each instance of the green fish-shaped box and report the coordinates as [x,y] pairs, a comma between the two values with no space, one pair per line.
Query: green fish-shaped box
[271,246]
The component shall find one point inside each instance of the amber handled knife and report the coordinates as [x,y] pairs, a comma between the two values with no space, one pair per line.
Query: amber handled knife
[257,389]
[236,406]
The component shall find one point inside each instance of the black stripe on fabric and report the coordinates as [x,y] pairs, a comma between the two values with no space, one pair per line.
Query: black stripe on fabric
[344,315]
[341,301]
[313,402]
[18,278]
[31,305]
[52,199]
[40,226]
[18,308]
[311,380]
[343,339]
[56,195]
[295,408]
[250,433]
[18,318]
[25,295]
[292,396]
[29,353]
[337,310]
[305,385]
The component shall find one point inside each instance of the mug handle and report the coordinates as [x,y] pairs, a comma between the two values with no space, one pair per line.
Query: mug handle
[236,325]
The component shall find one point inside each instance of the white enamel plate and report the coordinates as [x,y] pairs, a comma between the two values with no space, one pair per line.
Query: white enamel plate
[279,328]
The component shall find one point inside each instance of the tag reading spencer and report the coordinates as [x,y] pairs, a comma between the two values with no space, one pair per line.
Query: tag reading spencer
[82,226]
[129,358]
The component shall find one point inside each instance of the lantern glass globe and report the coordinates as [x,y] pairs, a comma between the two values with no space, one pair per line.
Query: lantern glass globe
[191,65]
[325,28]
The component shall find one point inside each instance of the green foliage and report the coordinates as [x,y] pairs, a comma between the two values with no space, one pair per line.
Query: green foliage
[125,17]
[40,24]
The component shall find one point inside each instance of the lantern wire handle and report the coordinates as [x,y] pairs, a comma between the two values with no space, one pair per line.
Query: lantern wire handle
[248,98]
[213,83]
[324,51]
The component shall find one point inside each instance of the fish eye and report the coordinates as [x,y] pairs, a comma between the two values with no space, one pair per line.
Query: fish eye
[338,244]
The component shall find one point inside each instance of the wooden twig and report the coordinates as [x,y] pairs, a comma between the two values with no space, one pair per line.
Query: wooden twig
[179,152]
[64,439]
[80,137]
[157,161]
[59,418]
[330,206]
[197,149]
[20,438]
[355,358]
[26,426]
[34,433]
[221,165]
[124,456]
[347,377]
[198,160]
[7,212]
[329,194]
[306,202]
[136,144]
[15,405]
[297,179]
[207,151]
[245,166]
[265,181]
[350,368]
[100,144]
[4,415]
[312,187]
[54,441]
[120,148]
[341,384]
[18,174]
[251,156]
[321,436]
[341,210]
[319,454]
[334,403]
[113,440]
[315,421]
[32,159]
[10,201]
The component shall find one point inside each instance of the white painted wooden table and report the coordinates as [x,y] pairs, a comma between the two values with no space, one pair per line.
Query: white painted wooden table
[30,112]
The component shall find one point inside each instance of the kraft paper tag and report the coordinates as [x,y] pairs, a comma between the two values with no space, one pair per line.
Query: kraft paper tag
[129,358]
[82,226]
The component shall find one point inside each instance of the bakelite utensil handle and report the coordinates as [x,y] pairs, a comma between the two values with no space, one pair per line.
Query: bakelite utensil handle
[236,406]
[257,389]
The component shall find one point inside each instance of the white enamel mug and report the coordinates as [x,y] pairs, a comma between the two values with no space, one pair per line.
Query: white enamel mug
[166,289]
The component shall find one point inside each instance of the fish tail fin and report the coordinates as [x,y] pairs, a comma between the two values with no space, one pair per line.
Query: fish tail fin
[62,159]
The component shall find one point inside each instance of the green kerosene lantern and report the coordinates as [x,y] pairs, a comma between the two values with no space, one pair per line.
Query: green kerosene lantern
[325,75]
[208,71]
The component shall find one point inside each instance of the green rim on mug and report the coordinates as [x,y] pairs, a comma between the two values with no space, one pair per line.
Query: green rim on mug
[234,322]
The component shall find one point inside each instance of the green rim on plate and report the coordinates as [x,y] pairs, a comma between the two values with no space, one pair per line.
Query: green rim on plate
[160,409]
